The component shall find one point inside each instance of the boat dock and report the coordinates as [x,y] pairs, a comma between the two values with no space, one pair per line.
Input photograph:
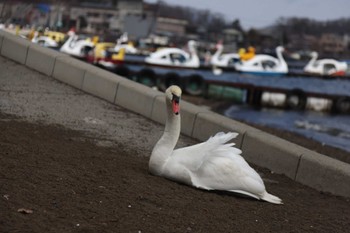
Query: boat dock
[293,91]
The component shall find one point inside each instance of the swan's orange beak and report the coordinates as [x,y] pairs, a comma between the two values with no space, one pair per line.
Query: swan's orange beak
[176,104]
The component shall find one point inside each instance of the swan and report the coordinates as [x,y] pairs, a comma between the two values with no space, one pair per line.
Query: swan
[223,60]
[211,165]
[44,41]
[75,46]
[175,57]
[122,43]
[325,66]
[264,64]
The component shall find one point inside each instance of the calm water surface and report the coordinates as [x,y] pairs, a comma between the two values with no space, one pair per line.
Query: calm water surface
[328,129]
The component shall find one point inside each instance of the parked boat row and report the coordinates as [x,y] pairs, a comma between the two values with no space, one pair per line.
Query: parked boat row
[183,67]
[171,57]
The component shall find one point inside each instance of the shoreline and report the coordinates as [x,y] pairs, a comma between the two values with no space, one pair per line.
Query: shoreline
[219,106]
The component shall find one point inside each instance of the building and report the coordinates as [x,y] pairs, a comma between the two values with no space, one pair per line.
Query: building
[92,18]
[127,8]
[89,16]
[97,16]
[137,26]
[170,27]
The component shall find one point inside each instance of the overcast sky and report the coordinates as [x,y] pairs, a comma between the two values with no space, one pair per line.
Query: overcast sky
[261,13]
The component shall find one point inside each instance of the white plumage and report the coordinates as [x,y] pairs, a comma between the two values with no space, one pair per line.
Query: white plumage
[211,165]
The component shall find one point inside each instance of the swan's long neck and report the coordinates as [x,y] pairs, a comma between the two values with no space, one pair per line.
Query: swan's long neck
[67,43]
[194,59]
[35,37]
[312,60]
[166,144]
[281,58]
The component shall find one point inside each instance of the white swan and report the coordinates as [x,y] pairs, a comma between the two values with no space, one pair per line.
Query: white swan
[75,46]
[122,43]
[325,66]
[264,64]
[223,60]
[211,165]
[44,41]
[175,57]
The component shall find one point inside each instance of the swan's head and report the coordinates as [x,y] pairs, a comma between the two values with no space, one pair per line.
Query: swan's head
[192,43]
[219,46]
[173,95]
[71,33]
[313,54]
[280,49]
[192,46]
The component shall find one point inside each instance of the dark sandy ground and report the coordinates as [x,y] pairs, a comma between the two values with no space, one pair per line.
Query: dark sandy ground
[54,179]
[69,184]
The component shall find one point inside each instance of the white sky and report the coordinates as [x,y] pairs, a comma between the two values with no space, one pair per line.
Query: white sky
[261,13]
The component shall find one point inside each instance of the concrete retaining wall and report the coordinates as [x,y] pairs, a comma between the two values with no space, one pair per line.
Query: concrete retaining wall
[310,168]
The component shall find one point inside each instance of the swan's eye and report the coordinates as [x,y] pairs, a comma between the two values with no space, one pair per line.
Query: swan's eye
[176,99]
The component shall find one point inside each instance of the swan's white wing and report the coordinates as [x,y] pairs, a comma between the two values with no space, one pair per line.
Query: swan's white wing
[193,156]
[215,164]
[230,174]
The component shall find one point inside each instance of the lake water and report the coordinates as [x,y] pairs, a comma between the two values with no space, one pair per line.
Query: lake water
[328,129]
[333,130]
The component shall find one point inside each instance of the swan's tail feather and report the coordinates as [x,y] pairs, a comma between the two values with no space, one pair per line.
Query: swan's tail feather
[222,137]
[220,142]
[271,198]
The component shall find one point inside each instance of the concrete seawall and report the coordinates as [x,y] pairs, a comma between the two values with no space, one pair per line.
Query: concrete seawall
[305,166]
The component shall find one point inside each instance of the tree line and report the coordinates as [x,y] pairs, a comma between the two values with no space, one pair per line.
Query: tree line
[296,25]
[216,22]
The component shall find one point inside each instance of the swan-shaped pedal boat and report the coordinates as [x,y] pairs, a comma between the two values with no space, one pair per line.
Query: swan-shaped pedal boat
[211,165]
[44,41]
[223,60]
[325,66]
[263,64]
[175,57]
[123,43]
[76,46]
